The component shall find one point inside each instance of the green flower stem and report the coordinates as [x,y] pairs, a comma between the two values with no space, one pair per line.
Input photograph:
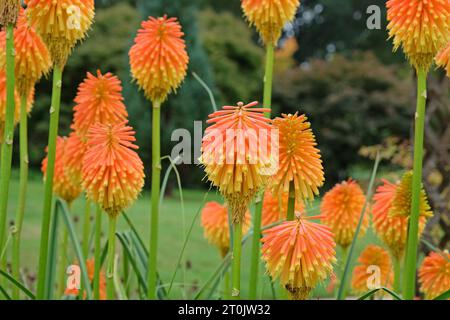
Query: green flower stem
[267,103]
[291,202]
[97,252]
[110,257]
[344,258]
[86,228]
[226,286]
[23,183]
[397,274]
[409,281]
[7,146]
[47,212]
[156,174]
[236,262]
[62,263]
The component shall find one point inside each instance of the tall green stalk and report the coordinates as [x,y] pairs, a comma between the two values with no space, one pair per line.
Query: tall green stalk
[154,221]
[267,103]
[7,146]
[110,258]
[409,281]
[23,136]
[291,203]
[97,252]
[397,274]
[48,195]
[236,262]
[62,263]
[86,228]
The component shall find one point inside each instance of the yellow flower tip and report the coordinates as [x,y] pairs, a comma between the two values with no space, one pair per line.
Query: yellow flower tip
[32,57]
[112,173]
[299,253]
[275,209]
[420,27]
[9,11]
[434,274]
[99,100]
[443,59]
[372,257]
[214,219]
[401,204]
[158,57]
[392,230]
[232,160]
[75,151]
[299,158]
[61,24]
[341,209]
[62,185]
[270,16]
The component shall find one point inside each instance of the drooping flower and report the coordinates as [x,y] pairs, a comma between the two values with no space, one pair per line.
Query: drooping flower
[61,24]
[443,59]
[301,253]
[392,230]
[434,274]
[158,58]
[32,59]
[270,16]
[401,204]
[275,209]
[75,151]
[216,226]
[90,266]
[113,173]
[299,158]
[371,260]
[420,27]
[62,185]
[231,157]
[341,208]
[9,11]
[99,100]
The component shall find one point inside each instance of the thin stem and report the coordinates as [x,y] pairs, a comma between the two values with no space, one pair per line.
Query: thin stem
[267,103]
[97,252]
[226,285]
[86,228]
[344,257]
[236,263]
[409,282]
[291,203]
[156,175]
[62,263]
[110,257]
[22,192]
[397,274]
[7,146]
[47,211]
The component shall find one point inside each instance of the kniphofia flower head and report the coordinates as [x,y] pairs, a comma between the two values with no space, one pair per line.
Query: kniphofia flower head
[99,100]
[275,208]
[392,230]
[9,11]
[113,173]
[90,266]
[270,16]
[299,158]
[61,24]
[32,59]
[341,209]
[434,274]
[301,253]
[236,152]
[420,27]
[75,151]
[443,59]
[62,185]
[372,257]
[401,204]
[216,227]
[158,58]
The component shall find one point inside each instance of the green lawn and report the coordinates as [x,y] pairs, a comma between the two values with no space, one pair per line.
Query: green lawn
[201,258]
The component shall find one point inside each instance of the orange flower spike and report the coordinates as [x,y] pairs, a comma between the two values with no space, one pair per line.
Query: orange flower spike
[75,151]
[230,154]
[216,227]
[9,11]
[158,58]
[90,266]
[61,24]
[434,274]
[393,231]
[443,59]
[420,27]
[62,185]
[301,253]
[299,158]
[99,100]
[341,208]
[32,57]
[270,16]
[372,256]
[272,212]
[401,204]
[113,173]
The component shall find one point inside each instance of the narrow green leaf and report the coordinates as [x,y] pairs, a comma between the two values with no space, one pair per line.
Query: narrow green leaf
[52,255]
[444,296]
[372,292]
[207,89]
[137,271]
[5,294]
[18,284]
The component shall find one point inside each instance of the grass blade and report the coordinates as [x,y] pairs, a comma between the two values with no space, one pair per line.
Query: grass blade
[52,255]
[140,276]
[208,90]
[5,294]
[372,292]
[17,284]
[444,296]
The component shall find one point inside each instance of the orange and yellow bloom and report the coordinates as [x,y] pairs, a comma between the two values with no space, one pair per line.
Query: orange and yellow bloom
[274,209]
[75,151]
[90,266]
[443,59]
[434,274]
